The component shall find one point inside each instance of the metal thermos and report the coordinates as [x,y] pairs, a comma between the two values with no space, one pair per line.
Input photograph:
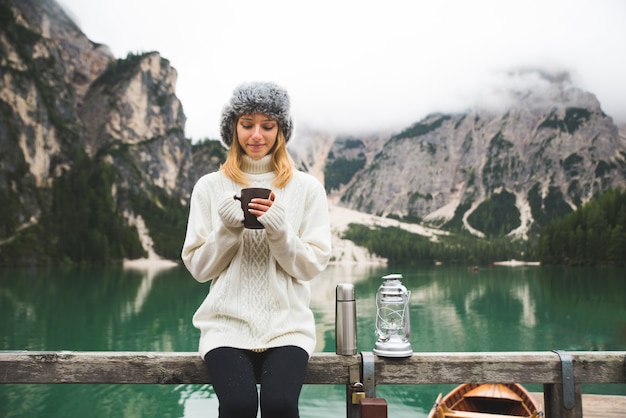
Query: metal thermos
[345,320]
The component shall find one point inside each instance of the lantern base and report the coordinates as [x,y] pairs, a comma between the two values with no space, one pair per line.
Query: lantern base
[393,349]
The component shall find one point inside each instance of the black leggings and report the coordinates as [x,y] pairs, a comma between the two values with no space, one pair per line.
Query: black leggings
[234,374]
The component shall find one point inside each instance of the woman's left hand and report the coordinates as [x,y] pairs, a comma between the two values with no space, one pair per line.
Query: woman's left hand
[258,207]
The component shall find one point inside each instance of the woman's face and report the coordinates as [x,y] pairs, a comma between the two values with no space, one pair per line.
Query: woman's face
[256,134]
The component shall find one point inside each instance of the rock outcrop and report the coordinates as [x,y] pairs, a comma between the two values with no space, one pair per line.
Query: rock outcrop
[545,153]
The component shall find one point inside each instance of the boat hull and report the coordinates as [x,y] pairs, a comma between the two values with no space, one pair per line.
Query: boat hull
[474,400]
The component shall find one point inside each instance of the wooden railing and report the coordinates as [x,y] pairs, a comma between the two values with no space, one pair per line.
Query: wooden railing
[562,386]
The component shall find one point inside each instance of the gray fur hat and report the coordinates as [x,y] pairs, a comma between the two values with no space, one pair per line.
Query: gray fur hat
[257,97]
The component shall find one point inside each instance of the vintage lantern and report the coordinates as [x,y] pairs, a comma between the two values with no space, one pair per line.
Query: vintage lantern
[393,326]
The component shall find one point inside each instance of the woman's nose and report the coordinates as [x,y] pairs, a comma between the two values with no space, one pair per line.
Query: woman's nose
[256,133]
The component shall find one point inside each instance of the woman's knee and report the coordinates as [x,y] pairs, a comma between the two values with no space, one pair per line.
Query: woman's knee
[279,406]
[234,382]
[238,408]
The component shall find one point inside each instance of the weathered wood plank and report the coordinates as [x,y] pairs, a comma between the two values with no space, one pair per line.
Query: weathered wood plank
[425,368]
[502,367]
[324,368]
[140,367]
[101,367]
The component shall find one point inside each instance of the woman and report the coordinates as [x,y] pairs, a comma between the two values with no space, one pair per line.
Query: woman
[256,324]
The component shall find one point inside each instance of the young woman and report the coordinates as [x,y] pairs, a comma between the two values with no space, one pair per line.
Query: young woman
[255,324]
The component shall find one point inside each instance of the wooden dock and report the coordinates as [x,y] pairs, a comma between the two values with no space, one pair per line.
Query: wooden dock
[597,406]
[562,374]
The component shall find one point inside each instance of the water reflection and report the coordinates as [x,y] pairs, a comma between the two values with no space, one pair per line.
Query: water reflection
[323,290]
[449,307]
[149,272]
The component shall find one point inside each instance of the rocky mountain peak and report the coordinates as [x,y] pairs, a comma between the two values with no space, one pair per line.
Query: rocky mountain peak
[550,149]
[72,115]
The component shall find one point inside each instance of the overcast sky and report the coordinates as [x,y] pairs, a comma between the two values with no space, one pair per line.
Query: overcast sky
[360,65]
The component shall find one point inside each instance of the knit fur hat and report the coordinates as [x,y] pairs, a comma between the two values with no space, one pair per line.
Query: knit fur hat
[257,97]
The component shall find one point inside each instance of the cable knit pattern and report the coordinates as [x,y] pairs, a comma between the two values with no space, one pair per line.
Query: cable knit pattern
[256,294]
[259,295]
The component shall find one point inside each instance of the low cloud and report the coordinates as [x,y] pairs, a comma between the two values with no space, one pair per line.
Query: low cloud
[362,65]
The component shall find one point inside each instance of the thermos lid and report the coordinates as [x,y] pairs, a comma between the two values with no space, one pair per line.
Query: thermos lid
[345,292]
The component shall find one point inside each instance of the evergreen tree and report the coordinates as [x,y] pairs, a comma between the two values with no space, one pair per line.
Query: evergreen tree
[593,234]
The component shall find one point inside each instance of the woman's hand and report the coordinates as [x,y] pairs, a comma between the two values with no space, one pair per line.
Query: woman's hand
[230,211]
[258,207]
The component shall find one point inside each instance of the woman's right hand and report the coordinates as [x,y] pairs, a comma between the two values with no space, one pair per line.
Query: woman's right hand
[230,212]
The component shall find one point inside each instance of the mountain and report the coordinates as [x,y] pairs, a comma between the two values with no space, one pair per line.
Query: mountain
[486,171]
[95,166]
[92,146]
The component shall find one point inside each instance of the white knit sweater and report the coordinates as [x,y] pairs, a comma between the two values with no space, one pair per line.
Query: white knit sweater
[259,295]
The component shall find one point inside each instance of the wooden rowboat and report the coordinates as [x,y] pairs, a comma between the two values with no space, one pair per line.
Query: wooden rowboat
[486,401]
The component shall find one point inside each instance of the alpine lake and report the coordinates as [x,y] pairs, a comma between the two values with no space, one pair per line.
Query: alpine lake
[526,308]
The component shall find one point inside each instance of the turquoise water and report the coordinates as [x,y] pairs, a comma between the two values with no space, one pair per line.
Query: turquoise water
[452,309]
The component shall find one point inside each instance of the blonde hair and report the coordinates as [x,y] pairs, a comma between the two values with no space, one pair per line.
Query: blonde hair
[282,164]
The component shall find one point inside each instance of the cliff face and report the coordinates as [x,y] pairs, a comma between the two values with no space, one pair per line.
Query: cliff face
[65,99]
[132,115]
[546,153]
[46,66]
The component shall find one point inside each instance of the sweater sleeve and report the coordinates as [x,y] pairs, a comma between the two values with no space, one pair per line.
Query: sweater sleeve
[303,254]
[209,246]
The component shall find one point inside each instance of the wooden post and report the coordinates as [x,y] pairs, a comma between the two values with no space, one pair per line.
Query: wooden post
[554,402]
[353,389]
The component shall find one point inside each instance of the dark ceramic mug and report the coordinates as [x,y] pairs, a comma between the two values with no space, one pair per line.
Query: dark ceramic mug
[250,221]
